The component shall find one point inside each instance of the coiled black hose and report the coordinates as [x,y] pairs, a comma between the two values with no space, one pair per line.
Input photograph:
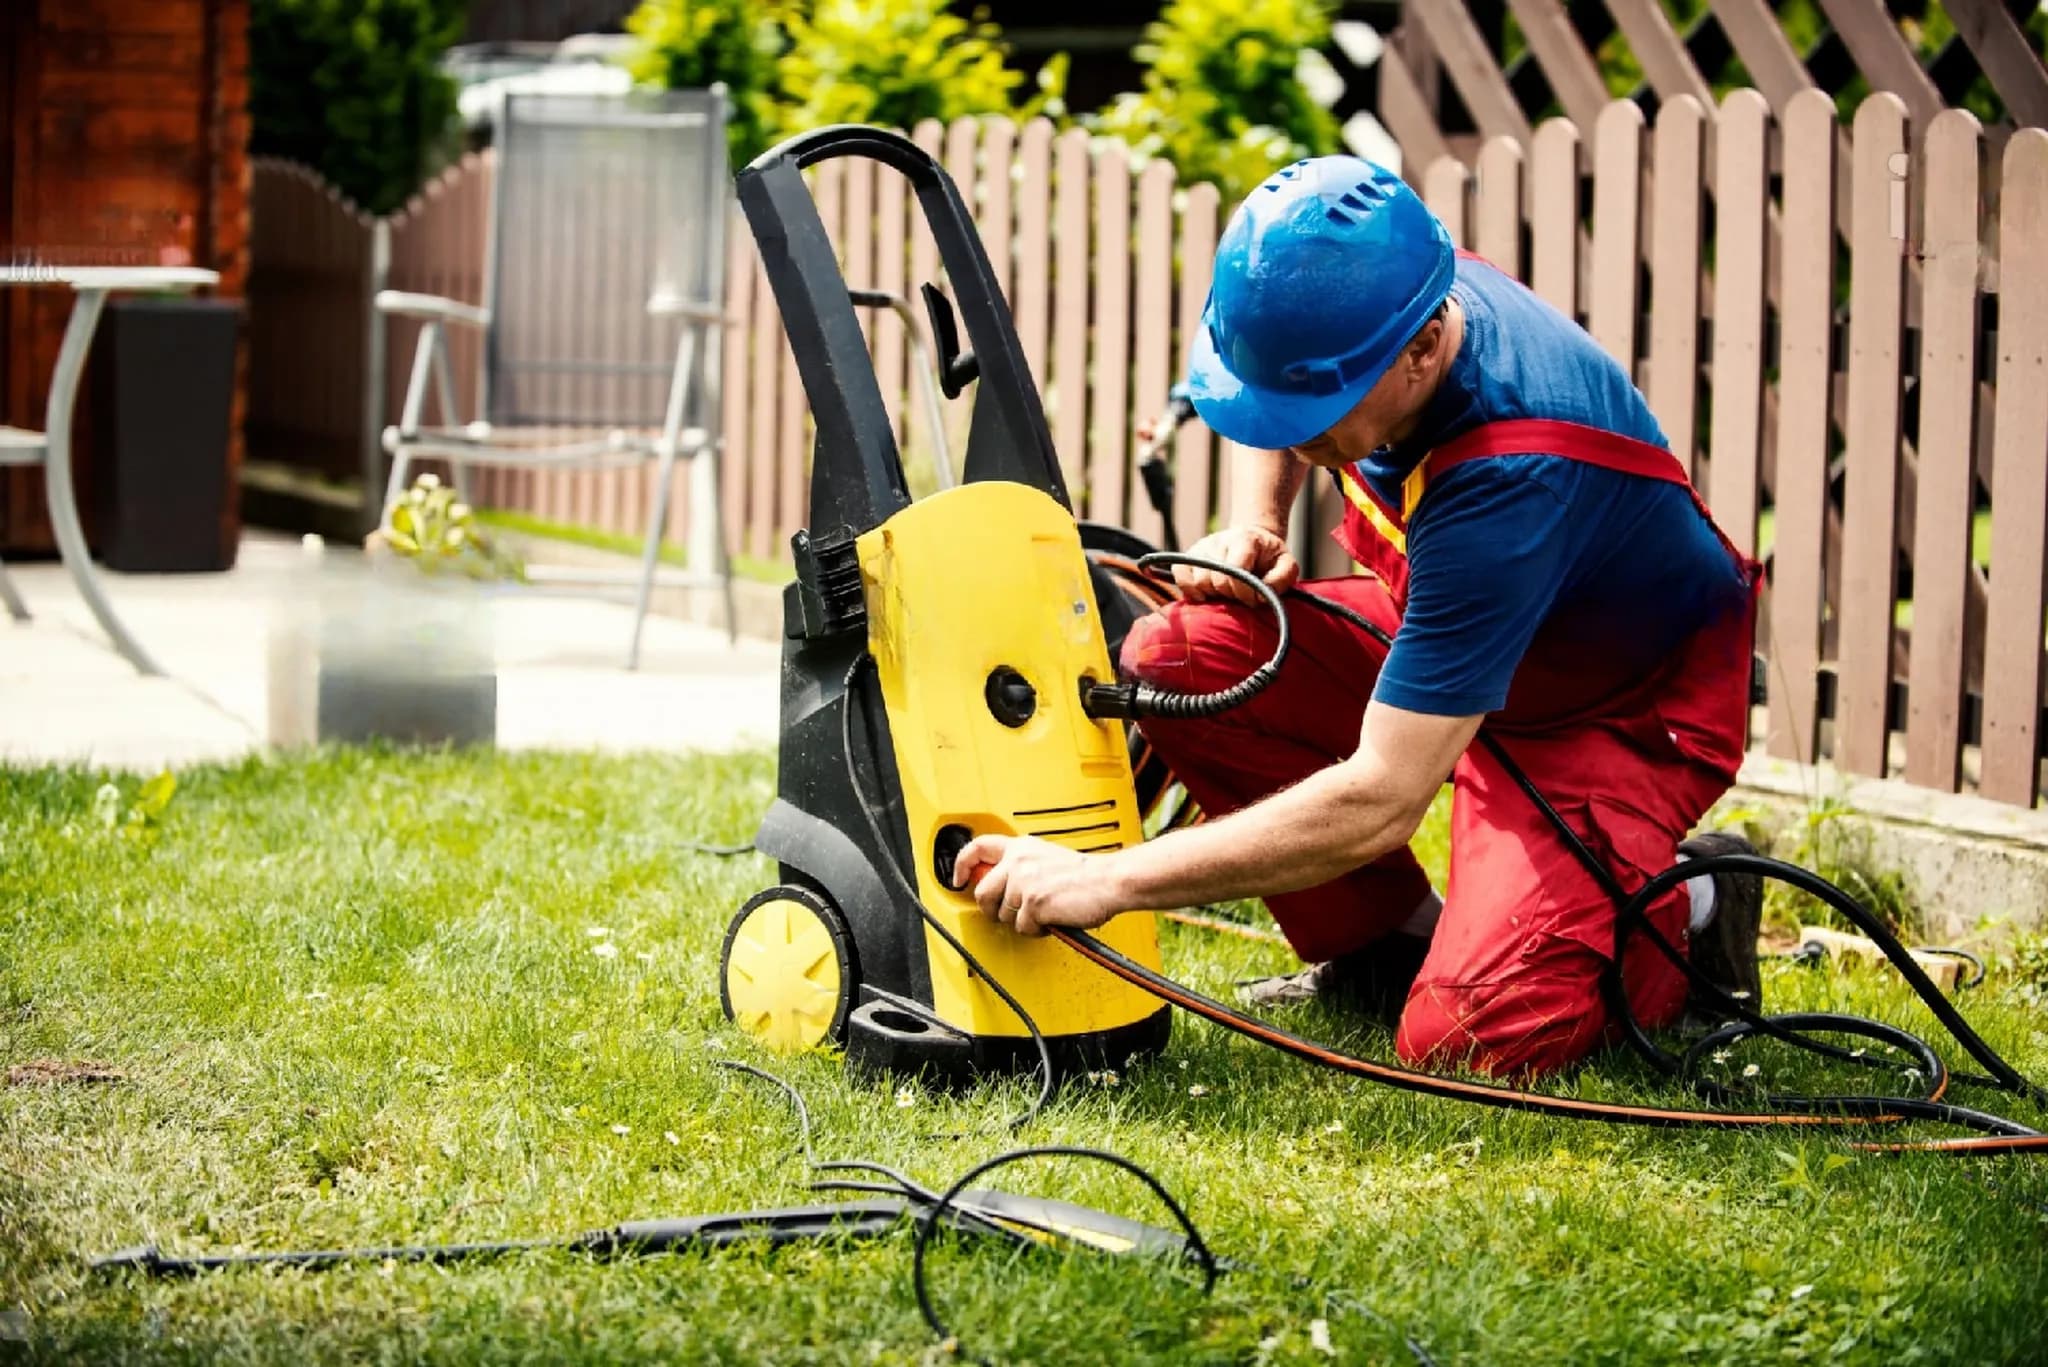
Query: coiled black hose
[1138,700]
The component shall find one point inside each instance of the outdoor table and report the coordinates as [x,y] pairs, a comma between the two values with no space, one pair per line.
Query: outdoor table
[51,449]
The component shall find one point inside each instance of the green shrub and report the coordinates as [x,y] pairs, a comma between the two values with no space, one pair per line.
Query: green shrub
[692,44]
[897,62]
[1220,99]
[794,65]
[353,88]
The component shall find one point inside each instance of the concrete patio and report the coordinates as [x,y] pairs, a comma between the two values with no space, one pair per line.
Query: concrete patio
[66,697]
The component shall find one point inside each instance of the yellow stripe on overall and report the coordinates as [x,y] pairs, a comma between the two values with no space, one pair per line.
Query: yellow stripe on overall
[1396,533]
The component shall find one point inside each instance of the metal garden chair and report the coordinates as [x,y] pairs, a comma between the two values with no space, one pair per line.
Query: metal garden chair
[604,297]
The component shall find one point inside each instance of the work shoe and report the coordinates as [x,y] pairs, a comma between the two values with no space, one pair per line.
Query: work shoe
[1373,980]
[1724,950]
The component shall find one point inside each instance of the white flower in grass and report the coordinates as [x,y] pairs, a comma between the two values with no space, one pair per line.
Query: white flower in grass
[1334,1127]
[622,1130]
[670,1136]
[1802,1291]
[597,932]
[605,950]
[1319,1338]
[905,1098]
[1198,1090]
[1751,1070]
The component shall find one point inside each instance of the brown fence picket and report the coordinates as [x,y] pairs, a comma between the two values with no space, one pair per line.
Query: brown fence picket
[1950,262]
[997,216]
[1109,394]
[857,244]
[1805,398]
[763,447]
[735,370]
[929,134]
[1554,215]
[1672,385]
[1194,450]
[892,247]
[1870,507]
[1498,212]
[1031,304]
[961,147]
[2019,473]
[1612,303]
[1742,183]
[1153,323]
[1447,189]
[1073,198]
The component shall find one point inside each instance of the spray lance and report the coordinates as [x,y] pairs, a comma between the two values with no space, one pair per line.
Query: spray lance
[1152,465]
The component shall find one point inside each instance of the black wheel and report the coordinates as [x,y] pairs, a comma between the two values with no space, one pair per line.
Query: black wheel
[786,974]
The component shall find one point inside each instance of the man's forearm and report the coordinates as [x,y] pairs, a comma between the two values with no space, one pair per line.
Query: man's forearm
[1304,836]
[1263,487]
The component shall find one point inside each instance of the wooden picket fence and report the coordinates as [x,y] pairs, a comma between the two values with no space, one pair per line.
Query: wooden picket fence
[1846,362]
[1843,332]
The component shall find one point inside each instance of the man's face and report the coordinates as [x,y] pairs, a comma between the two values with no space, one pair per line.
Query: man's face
[1388,409]
[1367,427]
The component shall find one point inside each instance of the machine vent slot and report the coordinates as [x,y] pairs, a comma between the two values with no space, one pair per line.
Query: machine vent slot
[1106,805]
[1090,827]
[1051,833]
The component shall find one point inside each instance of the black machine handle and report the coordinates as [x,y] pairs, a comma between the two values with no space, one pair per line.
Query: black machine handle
[857,476]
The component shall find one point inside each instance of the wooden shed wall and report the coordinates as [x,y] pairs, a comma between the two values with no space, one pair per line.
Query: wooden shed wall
[126,143]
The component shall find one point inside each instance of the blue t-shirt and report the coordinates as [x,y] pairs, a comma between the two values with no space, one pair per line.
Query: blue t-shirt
[1588,564]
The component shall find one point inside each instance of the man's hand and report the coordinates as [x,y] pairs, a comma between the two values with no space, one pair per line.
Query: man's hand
[1033,884]
[1248,548]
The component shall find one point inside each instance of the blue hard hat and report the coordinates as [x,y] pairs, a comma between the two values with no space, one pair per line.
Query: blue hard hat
[1324,273]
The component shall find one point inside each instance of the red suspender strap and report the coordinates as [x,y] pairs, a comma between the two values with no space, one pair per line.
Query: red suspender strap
[1575,441]
[1544,436]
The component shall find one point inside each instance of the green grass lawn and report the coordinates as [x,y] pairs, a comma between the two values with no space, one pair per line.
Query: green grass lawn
[357,998]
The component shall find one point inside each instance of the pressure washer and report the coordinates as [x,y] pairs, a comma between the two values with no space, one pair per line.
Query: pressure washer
[947,672]
[947,647]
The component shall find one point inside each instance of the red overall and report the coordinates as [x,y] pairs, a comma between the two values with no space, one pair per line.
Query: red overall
[1511,979]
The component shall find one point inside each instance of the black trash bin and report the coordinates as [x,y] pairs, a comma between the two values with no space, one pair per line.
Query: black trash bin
[163,399]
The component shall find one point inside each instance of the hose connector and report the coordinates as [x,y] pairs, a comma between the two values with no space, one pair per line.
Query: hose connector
[1100,700]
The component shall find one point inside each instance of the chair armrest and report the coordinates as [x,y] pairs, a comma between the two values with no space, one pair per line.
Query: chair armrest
[431,306]
[665,304]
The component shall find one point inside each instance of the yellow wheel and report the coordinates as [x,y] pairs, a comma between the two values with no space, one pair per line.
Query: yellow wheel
[786,975]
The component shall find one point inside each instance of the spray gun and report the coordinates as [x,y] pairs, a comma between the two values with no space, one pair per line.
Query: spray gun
[1152,466]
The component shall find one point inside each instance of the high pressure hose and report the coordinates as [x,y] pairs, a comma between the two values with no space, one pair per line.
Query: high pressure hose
[1995,1133]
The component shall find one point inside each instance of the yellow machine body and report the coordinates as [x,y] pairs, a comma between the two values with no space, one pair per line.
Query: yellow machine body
[968,581]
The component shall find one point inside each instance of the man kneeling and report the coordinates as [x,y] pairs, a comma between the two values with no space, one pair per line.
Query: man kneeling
[1545,569]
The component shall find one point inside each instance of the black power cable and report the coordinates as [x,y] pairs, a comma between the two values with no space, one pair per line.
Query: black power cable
[1196,1247]
[955,1206]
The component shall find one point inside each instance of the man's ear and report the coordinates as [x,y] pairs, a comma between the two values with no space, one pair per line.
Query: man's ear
[1423,346]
